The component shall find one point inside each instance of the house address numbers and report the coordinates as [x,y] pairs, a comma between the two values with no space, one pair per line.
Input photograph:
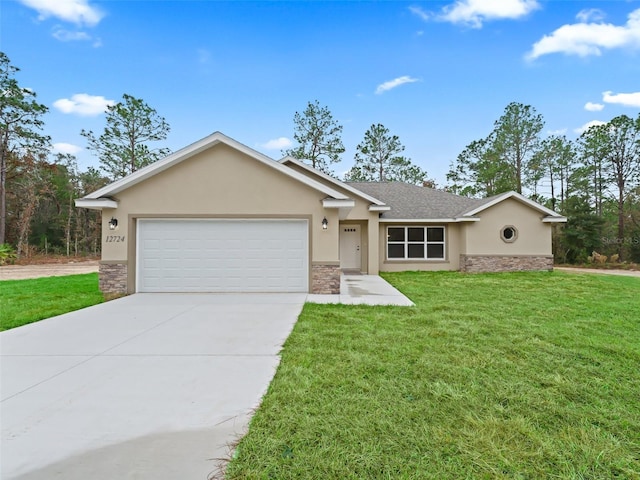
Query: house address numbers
[114,238]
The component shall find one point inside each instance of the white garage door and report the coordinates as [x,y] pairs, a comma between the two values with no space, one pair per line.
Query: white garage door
[222,255]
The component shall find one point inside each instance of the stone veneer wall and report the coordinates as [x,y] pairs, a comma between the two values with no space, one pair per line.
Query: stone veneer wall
[325,279]
[505,263]
[113,277]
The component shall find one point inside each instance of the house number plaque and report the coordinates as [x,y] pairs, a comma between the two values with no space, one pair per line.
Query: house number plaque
[114,238]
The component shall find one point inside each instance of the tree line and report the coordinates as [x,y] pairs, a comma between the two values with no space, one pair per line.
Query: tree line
[594,180]
[38,187]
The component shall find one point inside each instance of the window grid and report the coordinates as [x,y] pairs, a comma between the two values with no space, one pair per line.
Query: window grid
[415,243]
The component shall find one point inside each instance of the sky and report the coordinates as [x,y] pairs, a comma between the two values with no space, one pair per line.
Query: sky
[437,74]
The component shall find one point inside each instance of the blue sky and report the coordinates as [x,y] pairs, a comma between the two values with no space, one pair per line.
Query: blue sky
[436,73]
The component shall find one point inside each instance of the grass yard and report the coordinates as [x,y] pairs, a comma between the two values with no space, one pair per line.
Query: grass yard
[490,376]
[27,301]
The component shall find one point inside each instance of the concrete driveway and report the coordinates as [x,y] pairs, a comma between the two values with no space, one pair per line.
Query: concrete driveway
[147,386]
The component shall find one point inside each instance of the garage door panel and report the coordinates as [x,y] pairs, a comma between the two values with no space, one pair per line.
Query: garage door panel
[222,255]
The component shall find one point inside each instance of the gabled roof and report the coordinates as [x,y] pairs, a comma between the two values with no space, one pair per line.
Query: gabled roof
[309,169]
[490,201]
[411,202]
[91,200]
[394,200]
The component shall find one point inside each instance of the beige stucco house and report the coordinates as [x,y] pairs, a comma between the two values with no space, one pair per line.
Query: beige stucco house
[218,216]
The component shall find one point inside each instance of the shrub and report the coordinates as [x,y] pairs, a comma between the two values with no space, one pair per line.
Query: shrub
[597,258]
[7,254]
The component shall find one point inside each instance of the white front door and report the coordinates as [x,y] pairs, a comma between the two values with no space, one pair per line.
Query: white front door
[350,257]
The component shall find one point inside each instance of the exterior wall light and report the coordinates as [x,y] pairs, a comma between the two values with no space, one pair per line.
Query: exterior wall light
[325,223]
[113,223]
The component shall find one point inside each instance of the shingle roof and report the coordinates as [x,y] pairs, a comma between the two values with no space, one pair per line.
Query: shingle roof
[413,202]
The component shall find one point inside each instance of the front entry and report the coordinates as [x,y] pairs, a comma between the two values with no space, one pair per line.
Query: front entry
[350,255]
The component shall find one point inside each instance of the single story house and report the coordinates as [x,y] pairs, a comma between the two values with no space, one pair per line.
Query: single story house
[218,216]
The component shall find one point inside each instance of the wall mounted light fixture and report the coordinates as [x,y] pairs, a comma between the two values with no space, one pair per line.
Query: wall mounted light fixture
[113,223]
[325,223]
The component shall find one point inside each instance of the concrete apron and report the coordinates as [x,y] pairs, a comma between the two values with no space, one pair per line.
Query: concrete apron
[147,386]
[364,290]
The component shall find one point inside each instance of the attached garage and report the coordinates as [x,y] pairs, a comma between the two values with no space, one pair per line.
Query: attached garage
[218,216]
[222,255]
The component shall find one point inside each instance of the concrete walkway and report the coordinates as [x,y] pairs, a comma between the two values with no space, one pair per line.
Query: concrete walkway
[150,386]
[364,290]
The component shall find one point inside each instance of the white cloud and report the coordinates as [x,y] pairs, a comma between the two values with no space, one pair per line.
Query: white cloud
[68,36]
[625,99]
[396,82]
[593,107]
[79,12]
[474,12]
[83,104]
[77,36]
[277,144]
[588,125]
[426,16]
[66,148]
[584,39]
[590,15]
[559,132]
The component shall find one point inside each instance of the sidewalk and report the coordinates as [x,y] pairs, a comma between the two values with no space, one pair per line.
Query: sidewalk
[363,290]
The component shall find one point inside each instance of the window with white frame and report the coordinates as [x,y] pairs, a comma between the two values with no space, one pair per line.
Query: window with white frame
[415,243]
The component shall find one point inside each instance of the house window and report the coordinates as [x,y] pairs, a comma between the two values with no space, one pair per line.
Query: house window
[415,243]
[509,234]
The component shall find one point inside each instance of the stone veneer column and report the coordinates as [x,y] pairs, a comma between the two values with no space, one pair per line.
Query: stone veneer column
[113,277]
[505,263]
[325,279]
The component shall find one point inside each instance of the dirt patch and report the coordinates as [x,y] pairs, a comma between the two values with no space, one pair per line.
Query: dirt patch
[602,271]
[41,259]
[20,272]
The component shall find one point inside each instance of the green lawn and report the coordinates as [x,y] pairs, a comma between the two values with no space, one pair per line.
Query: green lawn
[27,301]
[493,376]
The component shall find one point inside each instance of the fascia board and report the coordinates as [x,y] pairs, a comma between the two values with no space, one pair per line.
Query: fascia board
[157,167]
[430,220]
[556,219]
[329,178]
[197,147]
[379,208]
[96,204]
[341,203]
[516,196]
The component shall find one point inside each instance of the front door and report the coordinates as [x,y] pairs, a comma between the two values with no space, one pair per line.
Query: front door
[350,258]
